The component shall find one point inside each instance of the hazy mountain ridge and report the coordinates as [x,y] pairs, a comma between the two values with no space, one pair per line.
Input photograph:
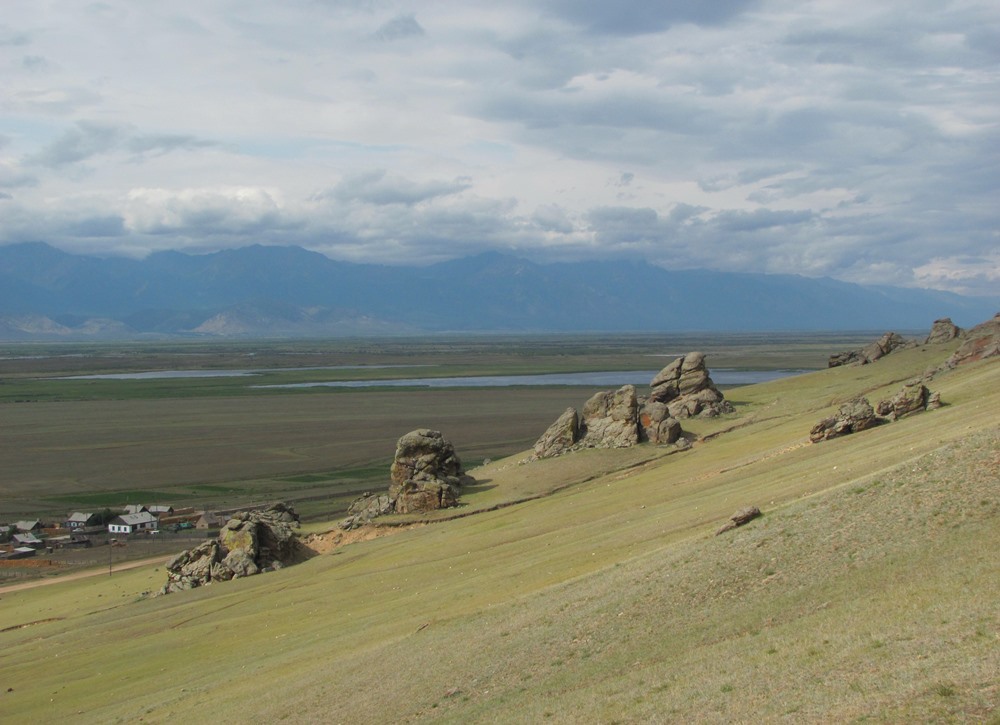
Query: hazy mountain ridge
[289,291]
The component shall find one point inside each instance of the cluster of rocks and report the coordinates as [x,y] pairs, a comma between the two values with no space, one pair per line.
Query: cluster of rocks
[622,418]
[871,352]
[426,475]
[858,414]
[251,542]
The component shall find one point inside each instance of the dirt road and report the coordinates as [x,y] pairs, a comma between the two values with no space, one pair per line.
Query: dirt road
[83,574]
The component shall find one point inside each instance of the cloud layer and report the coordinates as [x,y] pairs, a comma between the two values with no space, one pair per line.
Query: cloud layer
[855,140]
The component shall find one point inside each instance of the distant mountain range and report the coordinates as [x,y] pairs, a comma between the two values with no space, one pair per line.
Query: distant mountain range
[260,291]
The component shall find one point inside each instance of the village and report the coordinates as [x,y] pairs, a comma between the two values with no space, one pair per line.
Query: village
[136,525]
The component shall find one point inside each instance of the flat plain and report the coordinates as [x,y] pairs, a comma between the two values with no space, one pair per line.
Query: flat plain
[590,588]
[68,443]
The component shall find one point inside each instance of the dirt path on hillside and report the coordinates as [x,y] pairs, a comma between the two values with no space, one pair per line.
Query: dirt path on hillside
[83,574]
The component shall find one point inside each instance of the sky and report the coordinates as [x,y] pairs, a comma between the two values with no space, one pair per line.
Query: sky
[841,138]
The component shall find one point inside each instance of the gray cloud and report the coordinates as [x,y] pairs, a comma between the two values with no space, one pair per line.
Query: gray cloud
[402,26]
[379,187]
[87,139]
[636,17]
[757,136]
[13,37]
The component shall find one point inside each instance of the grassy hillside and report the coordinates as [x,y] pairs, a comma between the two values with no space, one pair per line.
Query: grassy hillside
[867,591]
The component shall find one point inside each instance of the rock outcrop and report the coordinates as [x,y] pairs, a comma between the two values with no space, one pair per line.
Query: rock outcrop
[871,352]
[943,330]
[559,437]
[687,389]
[858,415]
[249,543]
[622,418]
[853,416]
[426,475]
[740,518]
[914,397]
[982,341]
[610,419]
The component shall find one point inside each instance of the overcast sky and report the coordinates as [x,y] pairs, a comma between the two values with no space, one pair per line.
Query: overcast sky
[848,138]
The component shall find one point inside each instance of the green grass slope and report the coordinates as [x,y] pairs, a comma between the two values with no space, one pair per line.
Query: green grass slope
[867,591]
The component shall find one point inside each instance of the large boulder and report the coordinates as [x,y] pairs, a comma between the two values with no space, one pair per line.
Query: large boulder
[914,397]
[559,437]
[426,475]
[852,417]
[250,542]
[656,423]
[687,389]
[943,330]
[610,419]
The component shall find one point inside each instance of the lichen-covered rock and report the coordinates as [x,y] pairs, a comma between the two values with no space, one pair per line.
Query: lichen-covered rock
[852,417]
[250,542]
[426,475]
[362,510]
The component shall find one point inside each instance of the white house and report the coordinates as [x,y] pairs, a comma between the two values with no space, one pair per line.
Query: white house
[131,523]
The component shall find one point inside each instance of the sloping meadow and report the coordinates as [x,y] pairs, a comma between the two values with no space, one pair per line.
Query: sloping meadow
[867,589]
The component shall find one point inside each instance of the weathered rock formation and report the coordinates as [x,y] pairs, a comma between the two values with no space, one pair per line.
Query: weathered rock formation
[687,389]
[943,330]
[610,419]
[914,397]
[853,416]
[858,415]
[621,418]
[876,350]
[982,341]
[741,517]
[426,475]
[249,543]
[560,437]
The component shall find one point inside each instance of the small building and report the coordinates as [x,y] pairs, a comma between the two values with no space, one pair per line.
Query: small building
[24,527]
[133,523]
[208,520]
[135,508]
[21,552]
[79,520]
[27,540]
[160,510]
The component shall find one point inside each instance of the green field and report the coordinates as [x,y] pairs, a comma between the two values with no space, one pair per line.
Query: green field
[867,592]
[222,442]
